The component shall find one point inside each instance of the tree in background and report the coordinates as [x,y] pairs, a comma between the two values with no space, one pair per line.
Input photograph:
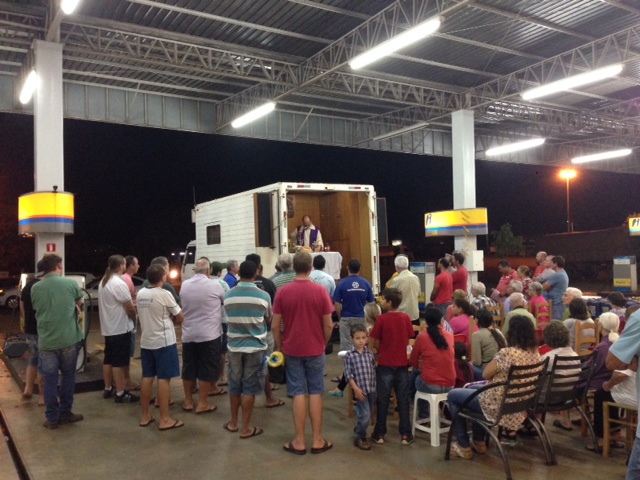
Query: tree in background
[506,243]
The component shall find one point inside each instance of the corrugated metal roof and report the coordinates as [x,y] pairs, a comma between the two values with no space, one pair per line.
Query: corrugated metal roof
[222,50]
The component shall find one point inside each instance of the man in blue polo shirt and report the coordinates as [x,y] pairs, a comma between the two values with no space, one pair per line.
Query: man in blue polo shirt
[624,354]
[350,297]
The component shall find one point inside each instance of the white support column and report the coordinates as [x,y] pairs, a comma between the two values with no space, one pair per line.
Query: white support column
[48,132]
[464,174]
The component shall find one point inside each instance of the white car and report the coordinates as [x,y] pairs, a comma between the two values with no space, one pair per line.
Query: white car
[9,292]
[92,289]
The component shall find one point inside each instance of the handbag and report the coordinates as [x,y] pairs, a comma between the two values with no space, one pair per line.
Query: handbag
[277,375]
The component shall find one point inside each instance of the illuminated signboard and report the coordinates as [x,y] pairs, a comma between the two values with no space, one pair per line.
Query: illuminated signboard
[634,226]
[470,221]
[45,212]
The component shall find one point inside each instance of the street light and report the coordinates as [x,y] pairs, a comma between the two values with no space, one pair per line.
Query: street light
[568,174]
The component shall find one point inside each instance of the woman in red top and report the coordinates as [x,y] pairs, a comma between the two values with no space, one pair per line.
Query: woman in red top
[433,356]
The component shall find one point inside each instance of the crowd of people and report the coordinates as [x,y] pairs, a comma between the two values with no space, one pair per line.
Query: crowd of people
[229,326]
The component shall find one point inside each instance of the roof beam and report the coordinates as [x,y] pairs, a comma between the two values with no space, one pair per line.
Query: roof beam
[535,21]
[328,61]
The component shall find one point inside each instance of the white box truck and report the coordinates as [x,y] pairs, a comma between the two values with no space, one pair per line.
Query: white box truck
[352,221]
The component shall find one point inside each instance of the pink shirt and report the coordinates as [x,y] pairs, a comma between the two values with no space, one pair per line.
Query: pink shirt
[127,279]
[302,305]
[460,326]
[534,305]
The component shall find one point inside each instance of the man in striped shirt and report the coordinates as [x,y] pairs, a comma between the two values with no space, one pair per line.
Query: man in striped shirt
[248,310]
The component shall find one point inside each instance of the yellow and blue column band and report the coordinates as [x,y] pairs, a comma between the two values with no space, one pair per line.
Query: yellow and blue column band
[46,212]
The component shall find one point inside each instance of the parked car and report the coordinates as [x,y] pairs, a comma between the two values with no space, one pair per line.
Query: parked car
[92,288]
[88,277]
[9,292]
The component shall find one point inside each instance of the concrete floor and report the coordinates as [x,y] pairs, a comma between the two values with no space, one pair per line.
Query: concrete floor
[110,444]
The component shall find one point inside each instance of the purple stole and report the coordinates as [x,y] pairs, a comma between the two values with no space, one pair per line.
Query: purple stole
[313,236]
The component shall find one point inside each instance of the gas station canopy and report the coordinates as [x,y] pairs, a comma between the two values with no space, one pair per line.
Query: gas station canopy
[197,65]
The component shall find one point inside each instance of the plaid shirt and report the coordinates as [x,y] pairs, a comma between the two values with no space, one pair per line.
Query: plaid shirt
[482,301]
[362,368]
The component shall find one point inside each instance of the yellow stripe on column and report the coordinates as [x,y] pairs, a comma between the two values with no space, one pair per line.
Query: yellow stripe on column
[46,212]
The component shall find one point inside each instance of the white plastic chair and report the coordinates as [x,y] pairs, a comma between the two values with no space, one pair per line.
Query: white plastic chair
[433,424]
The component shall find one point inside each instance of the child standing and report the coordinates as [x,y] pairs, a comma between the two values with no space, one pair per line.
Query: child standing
[391,335]
[360,371]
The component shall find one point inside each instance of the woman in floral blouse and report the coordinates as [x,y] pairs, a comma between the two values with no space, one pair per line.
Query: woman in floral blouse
[522,350]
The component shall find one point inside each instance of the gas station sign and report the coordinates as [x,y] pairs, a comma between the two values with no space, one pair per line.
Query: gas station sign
[470,221]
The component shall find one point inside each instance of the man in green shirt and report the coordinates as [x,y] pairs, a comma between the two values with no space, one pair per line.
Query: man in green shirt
[56,300]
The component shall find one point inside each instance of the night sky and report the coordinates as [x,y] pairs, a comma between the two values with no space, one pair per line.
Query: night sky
[135,186]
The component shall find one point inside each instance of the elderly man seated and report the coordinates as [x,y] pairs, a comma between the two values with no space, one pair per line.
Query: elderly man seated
[515,286]
[518,309]
[478,297]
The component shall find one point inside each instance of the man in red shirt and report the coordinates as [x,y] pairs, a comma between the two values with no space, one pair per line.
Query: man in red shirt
[391,335]
[461,275]
[305,308]
[443,286]
[499,293]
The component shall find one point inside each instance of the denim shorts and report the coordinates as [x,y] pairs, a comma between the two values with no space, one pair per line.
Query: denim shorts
[246,373]
[223,339]
[201,360]
[32,338]
[162,362]
[304,375]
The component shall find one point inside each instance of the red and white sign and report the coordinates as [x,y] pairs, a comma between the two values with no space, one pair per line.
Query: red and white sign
[51,247]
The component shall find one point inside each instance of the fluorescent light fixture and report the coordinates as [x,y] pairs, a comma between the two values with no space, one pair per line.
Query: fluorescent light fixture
[400,131]
[254,114]
[29,87]
[69,6]
[396,43]
[514,147]
[602,156]
[573,82]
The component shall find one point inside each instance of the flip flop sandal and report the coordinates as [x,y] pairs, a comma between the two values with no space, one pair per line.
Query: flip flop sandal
[222,391]
[324,448]
[279,404]
[290,448]
[177,424]
[226,427]
[256,431]
[147,423]
[211,408]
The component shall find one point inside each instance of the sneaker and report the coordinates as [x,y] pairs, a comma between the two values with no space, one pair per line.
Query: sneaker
[336,393]
[377,439]
[70,418]
[49,425]
[362,444]
[479,447]
[407,440]
[108,393]
[457,451]
[126,397]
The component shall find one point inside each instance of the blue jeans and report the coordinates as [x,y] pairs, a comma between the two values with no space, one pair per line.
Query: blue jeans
[459,425]
[364,410]
[345,331]
[633,470]
[52,361]
[423,406]
[398,379]
[477,373]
